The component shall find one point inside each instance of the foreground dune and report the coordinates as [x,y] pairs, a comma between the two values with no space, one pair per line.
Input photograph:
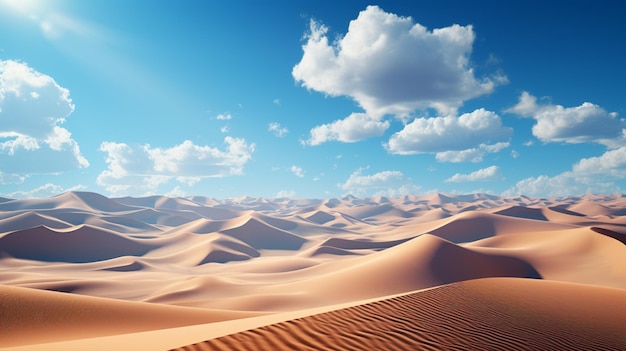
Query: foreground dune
[483,314]
[486,314]
[31,316]
[152,272]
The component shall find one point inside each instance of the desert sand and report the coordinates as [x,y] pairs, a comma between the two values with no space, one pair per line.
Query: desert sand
[436,272]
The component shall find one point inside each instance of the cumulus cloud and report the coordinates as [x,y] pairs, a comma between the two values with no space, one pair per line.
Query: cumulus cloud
[610,164]
[385,183]
[357,126]
[391,65]
[298,171]
[588,175]
[278,130]
[441,134]
[482,175]
[33,108]
[585,123]
[145,167]
[474,155]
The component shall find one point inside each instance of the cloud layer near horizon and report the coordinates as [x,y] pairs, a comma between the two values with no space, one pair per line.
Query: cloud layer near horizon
[144,167]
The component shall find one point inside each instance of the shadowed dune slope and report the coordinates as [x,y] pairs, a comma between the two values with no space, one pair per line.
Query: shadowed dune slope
[423,262]
[79,244]
[484,314]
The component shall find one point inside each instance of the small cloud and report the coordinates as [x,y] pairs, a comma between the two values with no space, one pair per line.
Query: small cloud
[297,171]
[486,174]
[356,127]
[276,101]
[529,143]
[225,129]
[385,183]
[285,194]
[514,154]
[277,129]
[442,134]
[224,117]
[471,155]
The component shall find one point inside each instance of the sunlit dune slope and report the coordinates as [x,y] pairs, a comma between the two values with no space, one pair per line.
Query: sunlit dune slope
[485,314]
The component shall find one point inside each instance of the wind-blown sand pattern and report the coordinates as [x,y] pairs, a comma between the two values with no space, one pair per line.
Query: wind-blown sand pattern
[417,272]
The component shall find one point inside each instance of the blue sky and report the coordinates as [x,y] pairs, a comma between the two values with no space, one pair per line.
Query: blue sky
[311,99]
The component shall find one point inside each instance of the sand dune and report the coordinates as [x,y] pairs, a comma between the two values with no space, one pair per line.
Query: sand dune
[486,314]
[209,260]
[32,316]
[77,244]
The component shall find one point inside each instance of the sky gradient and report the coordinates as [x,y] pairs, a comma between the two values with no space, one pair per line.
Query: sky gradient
[311,99]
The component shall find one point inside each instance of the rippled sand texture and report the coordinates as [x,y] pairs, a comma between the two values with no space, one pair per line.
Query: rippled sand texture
[82,271]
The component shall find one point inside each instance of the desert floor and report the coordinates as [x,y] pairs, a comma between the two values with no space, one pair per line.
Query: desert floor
[436,272]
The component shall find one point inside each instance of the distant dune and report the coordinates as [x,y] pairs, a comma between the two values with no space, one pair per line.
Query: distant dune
[438,271]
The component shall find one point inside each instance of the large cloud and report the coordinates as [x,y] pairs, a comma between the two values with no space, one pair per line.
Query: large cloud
[442,134]
[144,168]
[385,183]
[585,123]
[589,175]
[32,109]
[391,65]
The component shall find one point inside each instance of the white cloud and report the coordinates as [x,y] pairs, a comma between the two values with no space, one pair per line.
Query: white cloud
[276,101]
[589,175]
[146,168]
[610,164]
[486,174]
[391,65]
[563,184]
[44,191]
[385,183]
[441,134]
[299,172]
[11,178]
[224,117]
[285,194]
[32,109]
[277,129]
[357,126]
[585,123]
[475,154]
